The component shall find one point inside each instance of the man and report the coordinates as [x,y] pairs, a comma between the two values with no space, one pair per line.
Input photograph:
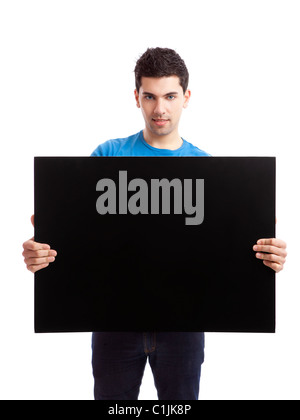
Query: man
[175,358]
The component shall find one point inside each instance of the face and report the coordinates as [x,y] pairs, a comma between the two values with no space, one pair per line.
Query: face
[161,101]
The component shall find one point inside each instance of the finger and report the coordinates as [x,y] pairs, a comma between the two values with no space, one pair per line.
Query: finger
[270,257]
[38,261]
[276,267]
[39,254]
[32,220]
[272,241]
[34,246]
[35,268]
[270,249]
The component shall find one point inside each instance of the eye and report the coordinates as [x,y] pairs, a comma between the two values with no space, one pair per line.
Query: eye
[171,97]
[149,97]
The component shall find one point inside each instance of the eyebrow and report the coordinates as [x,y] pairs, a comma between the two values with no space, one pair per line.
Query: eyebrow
[152,94]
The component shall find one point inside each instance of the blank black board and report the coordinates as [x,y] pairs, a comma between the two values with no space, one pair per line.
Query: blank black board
[154,272]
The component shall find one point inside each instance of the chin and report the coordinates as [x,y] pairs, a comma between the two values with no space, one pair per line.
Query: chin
[161,131]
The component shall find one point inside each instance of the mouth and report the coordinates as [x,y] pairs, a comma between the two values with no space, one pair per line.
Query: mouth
[160,121]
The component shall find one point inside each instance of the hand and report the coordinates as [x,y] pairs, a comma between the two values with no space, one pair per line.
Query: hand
[37,255]
[272,252]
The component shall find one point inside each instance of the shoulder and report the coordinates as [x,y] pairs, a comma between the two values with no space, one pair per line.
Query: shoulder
[115,147]
[194,150]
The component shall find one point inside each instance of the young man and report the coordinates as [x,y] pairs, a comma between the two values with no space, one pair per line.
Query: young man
[119,359]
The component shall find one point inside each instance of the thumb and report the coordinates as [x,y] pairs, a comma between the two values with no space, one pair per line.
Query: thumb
[32,220]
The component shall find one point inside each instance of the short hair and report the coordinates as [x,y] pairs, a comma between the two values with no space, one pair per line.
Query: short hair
[161,62]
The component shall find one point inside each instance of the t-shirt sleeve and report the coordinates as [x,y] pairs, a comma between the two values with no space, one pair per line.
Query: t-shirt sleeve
[108,148]
[97,152]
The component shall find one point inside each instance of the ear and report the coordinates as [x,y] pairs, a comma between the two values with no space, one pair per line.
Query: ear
[137,99]
[187,97]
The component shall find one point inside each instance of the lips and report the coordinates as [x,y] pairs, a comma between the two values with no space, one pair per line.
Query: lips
[160,121]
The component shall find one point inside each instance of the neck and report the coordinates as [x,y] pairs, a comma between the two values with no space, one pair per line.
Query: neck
[170,141]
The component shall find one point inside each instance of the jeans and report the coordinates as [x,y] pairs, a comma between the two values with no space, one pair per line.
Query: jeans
[119,360]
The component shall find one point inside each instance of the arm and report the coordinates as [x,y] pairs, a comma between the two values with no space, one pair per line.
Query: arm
[37,255]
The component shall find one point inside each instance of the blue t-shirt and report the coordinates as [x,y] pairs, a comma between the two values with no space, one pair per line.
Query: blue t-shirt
[136,145]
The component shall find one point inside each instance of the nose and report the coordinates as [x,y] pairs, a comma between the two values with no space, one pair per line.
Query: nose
[159,109]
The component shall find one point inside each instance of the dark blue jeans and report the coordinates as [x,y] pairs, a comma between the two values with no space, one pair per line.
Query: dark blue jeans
[119,360]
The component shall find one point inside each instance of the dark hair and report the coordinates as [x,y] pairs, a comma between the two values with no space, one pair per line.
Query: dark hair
[161,62]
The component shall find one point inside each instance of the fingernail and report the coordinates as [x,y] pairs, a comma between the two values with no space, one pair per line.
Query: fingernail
[255,248]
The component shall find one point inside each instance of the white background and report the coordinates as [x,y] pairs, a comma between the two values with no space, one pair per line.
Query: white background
[66,85]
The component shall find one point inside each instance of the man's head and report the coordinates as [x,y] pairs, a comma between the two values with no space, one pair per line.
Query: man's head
[161,62]
[161,89]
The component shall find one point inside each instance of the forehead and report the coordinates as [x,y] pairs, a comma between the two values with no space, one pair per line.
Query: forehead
[160,85]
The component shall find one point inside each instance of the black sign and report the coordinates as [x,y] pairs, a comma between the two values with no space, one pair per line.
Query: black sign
[154,244]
